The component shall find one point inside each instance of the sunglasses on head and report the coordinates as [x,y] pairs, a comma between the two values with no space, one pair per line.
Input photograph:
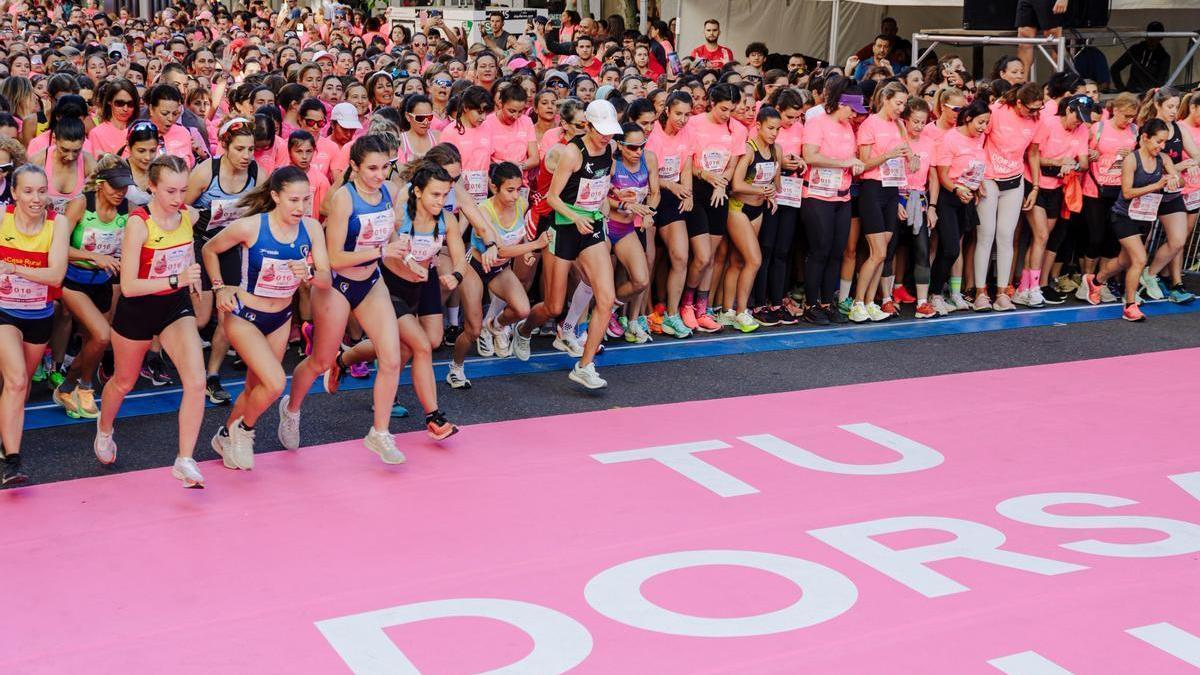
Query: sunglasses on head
[142,125]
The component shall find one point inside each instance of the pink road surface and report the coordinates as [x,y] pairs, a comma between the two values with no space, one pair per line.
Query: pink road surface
[131,574]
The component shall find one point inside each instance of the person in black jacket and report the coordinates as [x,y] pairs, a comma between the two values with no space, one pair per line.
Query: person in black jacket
[1150,64]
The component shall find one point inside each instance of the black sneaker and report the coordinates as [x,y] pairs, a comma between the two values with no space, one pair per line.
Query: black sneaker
[785,317]
[154,369]
[452,333]
[215,392]
[835,315]
[1052,296]
[766,316]
[12,474]
[816,316]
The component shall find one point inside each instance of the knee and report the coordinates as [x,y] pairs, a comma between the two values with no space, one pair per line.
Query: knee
[388,364]
[520,308]
[274,385]
[16,382]
[102,338]
[753,259]
[192,380]
[679,259]
[639,280]
[604,299]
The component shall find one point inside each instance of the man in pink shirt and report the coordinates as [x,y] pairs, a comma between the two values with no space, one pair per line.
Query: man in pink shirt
[714,54]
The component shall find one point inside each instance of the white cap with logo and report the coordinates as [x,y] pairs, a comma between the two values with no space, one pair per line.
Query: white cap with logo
[345,115]
[603,118]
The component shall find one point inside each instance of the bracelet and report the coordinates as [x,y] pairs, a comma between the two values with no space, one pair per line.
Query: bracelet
[217,284]
[457,276]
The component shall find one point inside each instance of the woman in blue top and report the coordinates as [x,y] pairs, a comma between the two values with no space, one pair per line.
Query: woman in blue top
[632,207]
[281,247]
[358,234]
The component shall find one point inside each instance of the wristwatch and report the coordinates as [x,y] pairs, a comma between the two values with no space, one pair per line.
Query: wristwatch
[217,285]
[173,280]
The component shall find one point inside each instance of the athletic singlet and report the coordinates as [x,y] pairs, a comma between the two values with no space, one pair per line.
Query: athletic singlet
[509,235]
[587,188]
[20,297]
[1141,178]
[407,152]
[94,236]
[423,246]
[370,225]
[265,270]
[761,170]
[1173,148]
[59,200]
[538,207]
[218,207]
[625,182]
[165,252]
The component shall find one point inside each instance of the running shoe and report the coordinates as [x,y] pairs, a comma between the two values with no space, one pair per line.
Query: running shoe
[484,344]
[186,471]
[645,324]
[67,401]
[294,335]
[104,371]
[925,310]
[901,295]
[858,313]
[104,446]
[501,340]
[614,330]
[399,411]
[982,302]
[360,371]
[1133,313]
[938,303]
[457,377]
[1003,303]
[1021,298]
[876,313]
[791,309]
[765,316]
[1081,293]
[1093,288]
[958,303]
[727,318]
[587,376]
[85,399]
[786,317]
[12,474]
[55,378]
[640,335]
[154,369]
[241,445]
[845,306]
[451,336]
[816,315]
[438,426]
[306,337]
[688,314]
[1066,284]
[383,443]
[1052,296]
[744,322]
[1036,299]
[221,445]
[1163,287]
[706,324]
[215,392]
[797,294]
[835,314]
[673,325]
[333,376]
[890,307]
[520,343]
[568,343]
[1148,285]
[654,323]
[1180,295]
[1111,291]
[289,425]
[39,373]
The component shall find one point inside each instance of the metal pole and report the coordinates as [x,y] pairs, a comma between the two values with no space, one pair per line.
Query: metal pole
[834,18]
[1187,59]
[643,16]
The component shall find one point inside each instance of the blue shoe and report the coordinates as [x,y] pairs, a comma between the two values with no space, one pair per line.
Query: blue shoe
[1164,290]
[399,410]
[1180,295]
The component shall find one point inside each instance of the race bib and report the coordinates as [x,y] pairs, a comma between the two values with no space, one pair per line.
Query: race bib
[20,293]
[669,168]
[592,193]
[374,229]
[276,279]
[972,178]
[714,161]
[425,247]
[103,242]
[892,172]
[168,261]
[825,182]
[764,173]
[790,190]
[222,212]
[476,184]
[1191,200]
[1145,208]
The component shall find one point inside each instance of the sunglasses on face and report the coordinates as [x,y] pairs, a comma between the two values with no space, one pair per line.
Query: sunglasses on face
[954,108]
[309,122]
[633,146]
[443,83]
[122,103]
[421,119]
[1034,108]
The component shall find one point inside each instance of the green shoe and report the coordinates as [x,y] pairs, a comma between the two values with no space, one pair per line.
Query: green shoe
[673,325]
[845,306]
[56,378]
[39,375]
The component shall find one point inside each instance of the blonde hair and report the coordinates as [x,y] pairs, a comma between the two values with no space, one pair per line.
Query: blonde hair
[106,162]
[1124,101]
[16,151]
[886,93]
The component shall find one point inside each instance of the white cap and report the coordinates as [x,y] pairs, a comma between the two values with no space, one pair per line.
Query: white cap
[345,115]
[603,118]
[322,55]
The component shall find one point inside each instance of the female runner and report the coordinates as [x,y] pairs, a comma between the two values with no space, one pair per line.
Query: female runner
[960,161]
[755,185]
[671,145]
[632,204]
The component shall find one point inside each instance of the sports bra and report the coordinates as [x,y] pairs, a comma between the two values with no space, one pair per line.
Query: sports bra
[59,200]
[510,235]
[424,245]
[218,207]
[94,236]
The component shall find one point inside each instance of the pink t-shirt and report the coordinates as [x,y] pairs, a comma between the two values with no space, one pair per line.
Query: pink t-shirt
[510,142]
[323,156]
[178,141]
[551,138]
[933,132]
[1105,169]
[320,187]
[439,123]
[671,151]
[963,155]
[791,139]
[1008,137]
[1055,142]
[883,136]
[106,138]
[836,141]
[1191,177]
[715,145]
[475,146]
[925,149]
[269,159]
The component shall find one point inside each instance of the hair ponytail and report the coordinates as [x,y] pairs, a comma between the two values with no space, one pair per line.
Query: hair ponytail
[259,200]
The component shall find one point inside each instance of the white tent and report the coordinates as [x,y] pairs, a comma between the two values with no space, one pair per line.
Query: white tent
[805,25]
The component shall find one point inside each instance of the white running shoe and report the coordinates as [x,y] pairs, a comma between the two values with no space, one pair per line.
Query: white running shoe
[587,376]
[457,377]
[185,470]
[241,445]
[289,425]
[1106,294]
[383,443]
[939,305]
[104,446]
[1148,285]
[568,343]
[727,318]
[501,339]
[959,303]
[1021,298]
[483,343]
[520,343]
[1036,299]
[744,322]
[876,313]
[858,313]
[221,444]
[1081,293]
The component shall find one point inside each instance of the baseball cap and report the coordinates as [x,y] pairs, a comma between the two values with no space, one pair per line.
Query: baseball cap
[518,63]
[556,74]
[855,101]
[603,118]
[1082,105]
[322,55]
[345,115]
[118,177]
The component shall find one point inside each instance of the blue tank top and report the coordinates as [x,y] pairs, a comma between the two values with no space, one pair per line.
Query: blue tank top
[370,225]
[508,236]
[425,245]
[1141,178]
[217,207]
[639,181]
[265,270]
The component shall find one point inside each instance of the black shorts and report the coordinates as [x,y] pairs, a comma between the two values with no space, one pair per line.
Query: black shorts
[231,267]
[567,243]
[487,276]
[100,294]
[749,210]
[33,331]
[1124,227]
[266,322]
[354,290]
[878,207]
[1172,206]
[668,209]
[146,316]
[1038,14]
[1051,200]
[704,218]
[417,298]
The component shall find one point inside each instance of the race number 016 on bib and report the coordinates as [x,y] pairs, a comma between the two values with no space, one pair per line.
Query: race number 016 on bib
[168,261]
[19,293]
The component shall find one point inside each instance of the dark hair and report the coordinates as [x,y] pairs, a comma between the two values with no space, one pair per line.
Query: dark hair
[473,97]
[722,92]
[265,127]
[68,128]
[290,94]
[1062,83]
[835,87]
[162,92]
[1153,127]
[258,200]
[503,171]
[638,108]
[975,109]
[365,145]
[757,48]
[631,128]
[513,93]
[61,83]
[440,154]
[425,173]
[915,104]
[140,131]
[410,102]
[310,104]
[1002,64]
[70,105]
[674,97]
[767,113]
[299,136]
[786,98]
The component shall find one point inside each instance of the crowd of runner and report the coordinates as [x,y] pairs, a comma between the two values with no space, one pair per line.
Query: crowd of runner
[212,185]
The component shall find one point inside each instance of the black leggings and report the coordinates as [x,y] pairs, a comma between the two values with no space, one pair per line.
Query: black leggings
[827,226]
[775,238]
[1097,212]
[952,223]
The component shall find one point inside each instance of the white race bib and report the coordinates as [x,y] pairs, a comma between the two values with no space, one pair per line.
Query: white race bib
[825,181]
[764,173]
[1191,200]
[222,212]
[103,242]
[276,279]
[20,293]
[1145,208]
[425,247]
[714,161]
[374,229]
[669,168]
[168,261]
[790,190]
[476,184]
[892,172]
[592,193]
[972,178]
